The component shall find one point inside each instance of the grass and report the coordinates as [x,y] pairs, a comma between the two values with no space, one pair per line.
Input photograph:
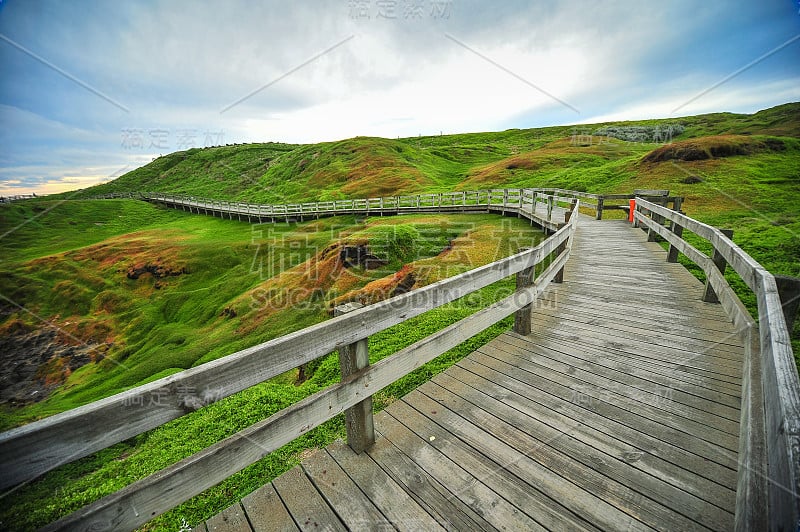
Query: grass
[239,285]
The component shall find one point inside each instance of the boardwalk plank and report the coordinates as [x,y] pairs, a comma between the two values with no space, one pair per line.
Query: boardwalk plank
[308,508]
[397,505]
[676,363]
[624,306]
[265,511]
[494,509]
[526,458]
[231,519]
[650,373]
[690,329]
[354,509]
[426,491]
[609,411]
[715,345]
[620,462]
[705,360]
[692,380]
[660,394]
[625,399]
[528,498]
[572,409]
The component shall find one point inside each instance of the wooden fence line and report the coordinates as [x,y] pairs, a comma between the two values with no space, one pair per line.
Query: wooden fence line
[495,200]
[768,487]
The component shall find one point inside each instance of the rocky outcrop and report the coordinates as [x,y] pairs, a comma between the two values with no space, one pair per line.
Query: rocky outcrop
[159,271]
[35,362]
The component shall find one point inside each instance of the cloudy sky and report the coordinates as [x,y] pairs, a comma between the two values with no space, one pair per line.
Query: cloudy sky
[90,90]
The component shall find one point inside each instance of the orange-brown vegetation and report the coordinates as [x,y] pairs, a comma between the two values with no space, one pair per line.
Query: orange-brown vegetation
[713,147]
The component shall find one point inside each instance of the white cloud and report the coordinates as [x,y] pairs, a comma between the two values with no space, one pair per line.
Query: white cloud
[177,67]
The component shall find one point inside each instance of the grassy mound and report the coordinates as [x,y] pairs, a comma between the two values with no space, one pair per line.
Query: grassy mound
[714,147]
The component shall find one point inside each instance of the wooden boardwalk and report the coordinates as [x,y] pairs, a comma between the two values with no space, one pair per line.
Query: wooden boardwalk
[619,412]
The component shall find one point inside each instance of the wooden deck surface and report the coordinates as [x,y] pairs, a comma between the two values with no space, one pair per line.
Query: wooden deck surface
[619,412]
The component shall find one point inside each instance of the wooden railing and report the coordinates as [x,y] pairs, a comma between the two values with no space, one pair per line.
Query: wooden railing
[494,200]
[31,450]
[768,489]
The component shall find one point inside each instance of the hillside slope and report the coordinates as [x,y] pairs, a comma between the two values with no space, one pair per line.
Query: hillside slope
[594,157]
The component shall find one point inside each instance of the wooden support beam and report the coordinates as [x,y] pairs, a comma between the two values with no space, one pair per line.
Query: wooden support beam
[672,255]
[352,359]
[522,318]
[719,261]
[559,278]
[789,292]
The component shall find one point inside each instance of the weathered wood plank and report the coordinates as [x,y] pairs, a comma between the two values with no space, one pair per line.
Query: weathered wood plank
[712,429]
[657,318]
[604,450]
[632,475]
[450,512]
[231,519]
[398,506]
[551,514]
[713,357]
[470,490]
[570,391]
[687,364]
[727,346]
[570,296]
[352,506]
[686,367]
[656,441]
[307,507]
[265,511]
[621,376]
[527,459]
[642,374]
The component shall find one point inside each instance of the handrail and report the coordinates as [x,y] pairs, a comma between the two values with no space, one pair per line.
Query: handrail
[492,198]
[33,449]
[768,487]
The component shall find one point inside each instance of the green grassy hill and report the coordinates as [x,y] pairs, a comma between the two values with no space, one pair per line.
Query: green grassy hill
[111,294]
[736,170]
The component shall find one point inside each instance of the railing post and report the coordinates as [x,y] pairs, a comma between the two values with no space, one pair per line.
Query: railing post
[672,254]
[600,202]
[550,208]
[522,318]
[352,359]
[789,292]
[709,296]
[559,277]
